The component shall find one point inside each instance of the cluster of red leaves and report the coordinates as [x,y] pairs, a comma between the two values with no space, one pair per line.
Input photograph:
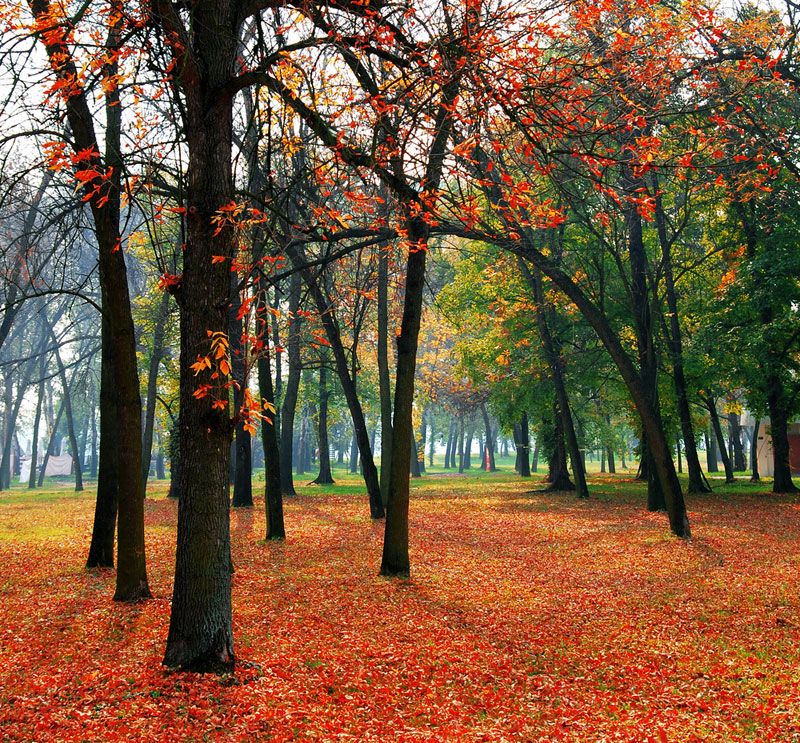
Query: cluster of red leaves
[528,617]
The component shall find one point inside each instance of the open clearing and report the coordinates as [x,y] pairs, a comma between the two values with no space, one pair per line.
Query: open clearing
[527,617]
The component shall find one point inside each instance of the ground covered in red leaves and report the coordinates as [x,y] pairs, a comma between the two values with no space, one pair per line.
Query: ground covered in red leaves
[528,617]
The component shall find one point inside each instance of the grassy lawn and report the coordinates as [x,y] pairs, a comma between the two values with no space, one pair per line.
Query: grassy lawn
[529,616]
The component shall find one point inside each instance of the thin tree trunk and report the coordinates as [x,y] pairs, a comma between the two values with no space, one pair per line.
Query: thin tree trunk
[273,493]
[735,435]
[755,477]
[470,434]
[160,472]
[697,483]
[289,406]
[242,445]
[73,439]
[325,476]
[490,463]
[413,463]
[450,446]
[717,428]
[556,364]
[524,447]
[157,353]
[347,379]
[36,421]
[10,421]
[423,437]
[51,443]
[460,444]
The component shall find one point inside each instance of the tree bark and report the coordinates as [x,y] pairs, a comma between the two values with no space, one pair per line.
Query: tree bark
[467,447]
[101,548]
[558,474]
[755,477]
[735,435]
[348,382]
[73,439]
[450,446]
[779,424]
[36,421]
[556,363]
[395,560]
[242,445]
[289,406]
[524,447]
[200,633]
[325,477]
[157,354]
[711,404]
[489,464]
[697,483]
[384,378]
[413,463]
[273,493]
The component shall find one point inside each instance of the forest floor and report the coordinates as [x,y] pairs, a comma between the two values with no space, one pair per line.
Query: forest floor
[528,616]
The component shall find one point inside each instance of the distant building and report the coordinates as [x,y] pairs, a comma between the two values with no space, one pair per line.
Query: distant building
[764,448]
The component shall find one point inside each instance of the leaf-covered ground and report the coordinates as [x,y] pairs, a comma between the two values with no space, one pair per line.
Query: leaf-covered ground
[528,617]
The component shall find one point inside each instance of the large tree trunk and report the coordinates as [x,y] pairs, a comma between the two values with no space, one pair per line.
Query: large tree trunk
[711,451]
[642,313]
[101,548]
[131,583]
[395,560]
[200,633]
[558,474]
[779,424]
[175,460]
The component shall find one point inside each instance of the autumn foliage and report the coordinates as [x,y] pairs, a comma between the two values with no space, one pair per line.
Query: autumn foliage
[529,617]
